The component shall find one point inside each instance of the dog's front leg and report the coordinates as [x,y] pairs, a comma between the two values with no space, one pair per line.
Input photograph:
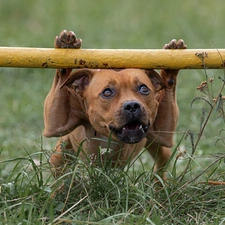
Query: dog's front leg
[58,117]
[166,120]
[56,108]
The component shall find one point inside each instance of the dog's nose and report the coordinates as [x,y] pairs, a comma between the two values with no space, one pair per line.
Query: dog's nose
[131,106]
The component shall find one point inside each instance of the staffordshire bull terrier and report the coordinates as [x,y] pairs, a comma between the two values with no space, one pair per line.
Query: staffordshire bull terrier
[121,111]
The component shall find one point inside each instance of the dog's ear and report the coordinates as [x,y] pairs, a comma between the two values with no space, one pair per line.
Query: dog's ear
[78,80]
[156,79]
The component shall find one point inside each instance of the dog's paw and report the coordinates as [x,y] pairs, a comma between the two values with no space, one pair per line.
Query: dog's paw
[67,40]
[170,76]
[174,44]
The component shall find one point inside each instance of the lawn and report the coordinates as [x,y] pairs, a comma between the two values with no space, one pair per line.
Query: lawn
[29,194]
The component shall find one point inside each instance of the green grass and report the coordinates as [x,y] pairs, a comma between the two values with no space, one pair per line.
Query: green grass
[87,194]
[30,195]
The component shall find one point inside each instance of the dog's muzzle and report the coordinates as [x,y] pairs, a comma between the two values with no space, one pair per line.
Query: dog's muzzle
[134,129]
[132,132]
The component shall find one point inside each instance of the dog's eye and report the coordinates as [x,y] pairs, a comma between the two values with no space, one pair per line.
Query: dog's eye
[107,93]
[143,89]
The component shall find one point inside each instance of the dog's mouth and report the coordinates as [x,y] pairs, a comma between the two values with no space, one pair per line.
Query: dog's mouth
[132,132]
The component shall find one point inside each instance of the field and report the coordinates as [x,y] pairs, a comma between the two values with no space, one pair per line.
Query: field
[27,191]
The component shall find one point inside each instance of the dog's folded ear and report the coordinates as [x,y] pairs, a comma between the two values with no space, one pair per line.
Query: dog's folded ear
[156,79]
[78,80]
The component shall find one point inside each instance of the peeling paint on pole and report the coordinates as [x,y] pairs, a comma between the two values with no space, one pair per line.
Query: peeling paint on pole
[112,58]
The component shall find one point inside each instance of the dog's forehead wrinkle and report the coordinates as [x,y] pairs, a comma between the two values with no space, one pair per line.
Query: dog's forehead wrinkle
[137,76]
[123,77]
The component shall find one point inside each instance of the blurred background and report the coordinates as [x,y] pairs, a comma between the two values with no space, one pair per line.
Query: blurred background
[143,24]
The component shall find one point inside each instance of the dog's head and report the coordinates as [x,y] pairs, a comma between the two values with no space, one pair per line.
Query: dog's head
[122,103]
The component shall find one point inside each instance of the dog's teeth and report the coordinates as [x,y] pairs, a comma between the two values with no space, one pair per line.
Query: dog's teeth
[140,127]
[124,128]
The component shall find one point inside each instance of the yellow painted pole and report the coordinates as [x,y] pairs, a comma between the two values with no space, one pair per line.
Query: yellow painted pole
[112,58]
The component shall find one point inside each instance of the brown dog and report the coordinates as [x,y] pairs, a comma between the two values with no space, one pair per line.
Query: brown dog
[119,110]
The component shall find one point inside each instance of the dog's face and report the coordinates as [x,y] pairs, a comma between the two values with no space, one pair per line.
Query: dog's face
[122,103]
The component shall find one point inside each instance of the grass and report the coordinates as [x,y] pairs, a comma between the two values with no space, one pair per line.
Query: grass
[98,195]
[85,194]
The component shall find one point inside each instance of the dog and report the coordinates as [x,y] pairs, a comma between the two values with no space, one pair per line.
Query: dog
[121,111]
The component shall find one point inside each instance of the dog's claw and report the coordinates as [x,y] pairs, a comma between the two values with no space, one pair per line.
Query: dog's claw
[67,40]
[174,44]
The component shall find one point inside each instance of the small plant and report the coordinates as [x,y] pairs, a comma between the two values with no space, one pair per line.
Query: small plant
[214,102]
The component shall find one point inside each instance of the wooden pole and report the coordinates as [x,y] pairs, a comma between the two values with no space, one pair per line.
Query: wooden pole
[112,58]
